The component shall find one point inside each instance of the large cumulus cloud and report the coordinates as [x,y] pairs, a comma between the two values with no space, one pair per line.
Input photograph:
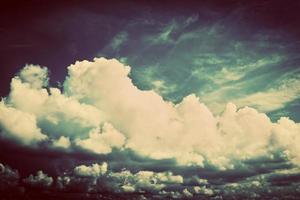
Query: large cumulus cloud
[100,111]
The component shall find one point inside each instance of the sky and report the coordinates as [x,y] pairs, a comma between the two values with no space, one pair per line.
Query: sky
[150,99]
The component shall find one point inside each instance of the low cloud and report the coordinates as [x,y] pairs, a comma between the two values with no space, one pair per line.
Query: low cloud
[40,180]
[97,179]
[63,142]
[91,171]
[8,177]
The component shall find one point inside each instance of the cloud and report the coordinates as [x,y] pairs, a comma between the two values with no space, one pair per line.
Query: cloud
[102,140]
[118,40]
[230,75]
[142,181]
[145,181]
[274,98]
[203,190]
[99,179]
[19,125]
[41,180]
[195,180]
[92,171]
[84,178]
[101,110]
[35,75]
[222,140]
[286,136]
[8,177]
[245,83]
[166,33]
[187,193]
[62,142]
[156,149]
[56,113]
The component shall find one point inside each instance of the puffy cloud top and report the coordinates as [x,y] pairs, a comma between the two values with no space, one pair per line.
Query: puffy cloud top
[35,76]
[40,180]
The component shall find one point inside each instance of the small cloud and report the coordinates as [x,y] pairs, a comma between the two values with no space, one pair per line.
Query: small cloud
[144,181]
[203,190]
[94,170]
[62,142]
[164,36]
[9,178]
[195,180]
[187,193]
[41,180]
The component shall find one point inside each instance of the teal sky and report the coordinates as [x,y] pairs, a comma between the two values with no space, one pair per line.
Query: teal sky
[223,61]
[245,53]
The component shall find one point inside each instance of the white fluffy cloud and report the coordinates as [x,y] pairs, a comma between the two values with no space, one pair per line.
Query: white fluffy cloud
[286,135]
[93,171]
[40,180]
[101,109]
[19,125]
[188,131]
[57,114]
[35,75]
[102,142]
[62,142]
[97,177]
